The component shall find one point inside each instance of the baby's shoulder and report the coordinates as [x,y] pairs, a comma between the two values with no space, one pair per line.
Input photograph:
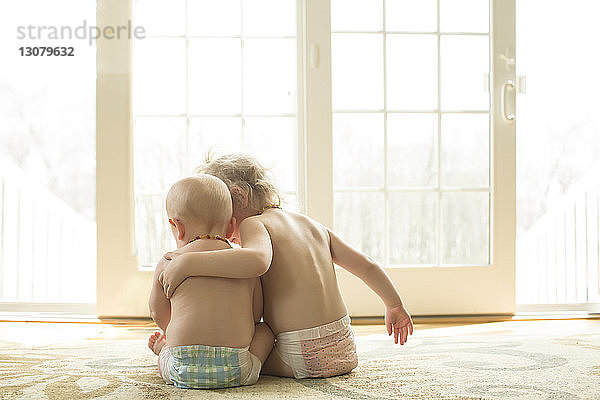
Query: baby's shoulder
[252,225]
[253,219]
[292,224]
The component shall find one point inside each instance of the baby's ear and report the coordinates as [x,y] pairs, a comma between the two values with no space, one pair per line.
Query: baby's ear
[180,229]
[231,228]
[239,196]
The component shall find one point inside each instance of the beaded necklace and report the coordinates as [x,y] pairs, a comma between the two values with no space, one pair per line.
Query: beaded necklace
[212,237]
[269,206]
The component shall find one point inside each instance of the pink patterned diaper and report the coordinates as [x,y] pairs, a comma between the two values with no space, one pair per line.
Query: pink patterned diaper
[319,352]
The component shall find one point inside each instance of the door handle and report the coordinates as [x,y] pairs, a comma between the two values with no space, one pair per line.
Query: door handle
[508,116]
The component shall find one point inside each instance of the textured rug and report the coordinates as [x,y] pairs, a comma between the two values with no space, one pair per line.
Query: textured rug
[445,363]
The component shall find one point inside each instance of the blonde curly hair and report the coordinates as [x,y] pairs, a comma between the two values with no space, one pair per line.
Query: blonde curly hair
[243,171]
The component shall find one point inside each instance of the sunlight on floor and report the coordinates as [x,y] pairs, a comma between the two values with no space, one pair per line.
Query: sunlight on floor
[50,333]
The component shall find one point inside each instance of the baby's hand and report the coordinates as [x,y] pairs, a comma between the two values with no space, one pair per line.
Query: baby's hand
[172,276]
[171,255]
[398,321]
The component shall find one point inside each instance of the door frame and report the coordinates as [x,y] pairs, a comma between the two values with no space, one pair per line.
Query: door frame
[122,286]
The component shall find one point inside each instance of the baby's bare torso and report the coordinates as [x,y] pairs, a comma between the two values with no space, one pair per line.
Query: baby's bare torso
[212,311]
[300,289]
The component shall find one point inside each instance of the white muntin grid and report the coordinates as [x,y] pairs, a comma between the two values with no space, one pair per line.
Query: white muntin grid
[386,189]
[188,115]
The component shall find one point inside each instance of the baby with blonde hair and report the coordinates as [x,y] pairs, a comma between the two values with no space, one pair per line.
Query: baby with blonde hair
[303,304]
[242,171]
[213,338]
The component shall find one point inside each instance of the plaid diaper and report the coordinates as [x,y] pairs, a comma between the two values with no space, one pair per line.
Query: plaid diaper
[208,367]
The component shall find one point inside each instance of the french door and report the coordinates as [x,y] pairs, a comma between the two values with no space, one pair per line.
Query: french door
[390,121]
[423,138]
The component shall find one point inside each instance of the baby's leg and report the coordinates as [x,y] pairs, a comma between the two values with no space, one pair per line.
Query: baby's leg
[157,342]
[262,342]
[276,367]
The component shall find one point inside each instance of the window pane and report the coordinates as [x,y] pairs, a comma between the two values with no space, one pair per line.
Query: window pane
[272,141]
[269,17]
[412,72]
[465,66]
[357,71]
[152,233]
[269,76]
[411,15]
[358,218]
[213,18]
[356,15]
[558,128]
[465,228]
[47,158]
[465,150]
[412,228]
[159,76]
[412,149]
[231,94]
[215,135]
[159,153]
[215,76]
[358,150]
[290,202]
[558,153]
[464,15]
[158,19]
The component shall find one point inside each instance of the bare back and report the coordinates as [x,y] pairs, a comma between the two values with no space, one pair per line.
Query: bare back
[213,311]
[300,287]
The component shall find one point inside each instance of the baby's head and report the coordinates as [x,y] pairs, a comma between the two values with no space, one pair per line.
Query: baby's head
[199,205]
[250,183]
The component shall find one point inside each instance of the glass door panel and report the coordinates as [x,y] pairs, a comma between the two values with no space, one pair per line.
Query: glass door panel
[411,121]
[214,76]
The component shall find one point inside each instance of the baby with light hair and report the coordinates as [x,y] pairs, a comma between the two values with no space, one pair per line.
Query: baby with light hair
[295,256]
[212,336]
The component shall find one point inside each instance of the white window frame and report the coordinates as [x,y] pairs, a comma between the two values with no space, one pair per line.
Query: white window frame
[122,286]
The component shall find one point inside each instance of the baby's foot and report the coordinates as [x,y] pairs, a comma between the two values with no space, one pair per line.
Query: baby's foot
[159,344]
[156,342]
